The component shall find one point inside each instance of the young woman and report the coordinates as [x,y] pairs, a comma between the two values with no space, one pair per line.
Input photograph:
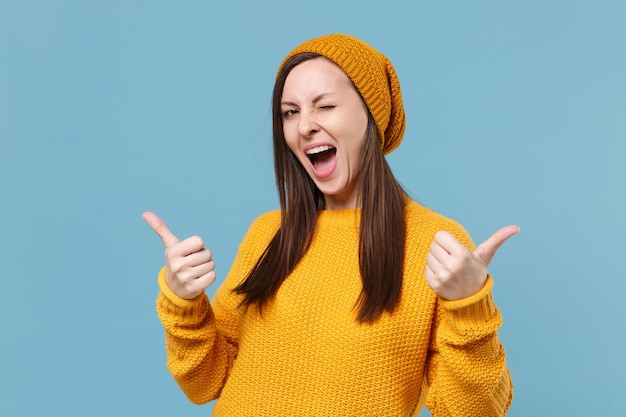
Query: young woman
[352,300]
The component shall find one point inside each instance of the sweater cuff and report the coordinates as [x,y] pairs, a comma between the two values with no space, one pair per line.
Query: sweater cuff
[182,307]
[465,312]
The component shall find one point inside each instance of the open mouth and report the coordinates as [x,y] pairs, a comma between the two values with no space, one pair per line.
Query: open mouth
[322,157]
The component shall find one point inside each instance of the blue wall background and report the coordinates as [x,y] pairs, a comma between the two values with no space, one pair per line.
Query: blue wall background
[516,114]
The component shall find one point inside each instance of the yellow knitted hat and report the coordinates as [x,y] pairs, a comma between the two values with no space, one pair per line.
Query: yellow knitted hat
[373,76]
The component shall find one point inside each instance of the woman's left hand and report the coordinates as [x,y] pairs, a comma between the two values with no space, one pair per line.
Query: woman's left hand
[453,272]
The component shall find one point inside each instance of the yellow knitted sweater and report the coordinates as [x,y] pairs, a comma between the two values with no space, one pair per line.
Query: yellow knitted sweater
[308,356]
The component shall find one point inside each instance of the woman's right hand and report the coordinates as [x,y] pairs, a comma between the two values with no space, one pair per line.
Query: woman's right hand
[189,265]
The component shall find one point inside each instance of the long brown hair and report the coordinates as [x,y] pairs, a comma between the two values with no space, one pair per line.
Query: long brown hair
[382,229]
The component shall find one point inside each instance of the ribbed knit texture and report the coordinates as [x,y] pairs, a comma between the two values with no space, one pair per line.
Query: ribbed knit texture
[307,356]
[373,76]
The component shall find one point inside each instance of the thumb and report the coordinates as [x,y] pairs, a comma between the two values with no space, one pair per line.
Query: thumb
[160,228]
[486,250]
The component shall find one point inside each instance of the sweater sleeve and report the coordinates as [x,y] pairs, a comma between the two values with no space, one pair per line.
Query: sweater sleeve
[466,372]
[201,337]
[200,341]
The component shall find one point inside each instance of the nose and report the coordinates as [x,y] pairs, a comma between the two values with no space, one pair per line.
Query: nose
[307,124]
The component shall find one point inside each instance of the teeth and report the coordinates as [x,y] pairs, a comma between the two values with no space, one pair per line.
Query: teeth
[318,149]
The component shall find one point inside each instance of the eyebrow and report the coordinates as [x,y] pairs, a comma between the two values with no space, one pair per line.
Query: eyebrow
[315,99]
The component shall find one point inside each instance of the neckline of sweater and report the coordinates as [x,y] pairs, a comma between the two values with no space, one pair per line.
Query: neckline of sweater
[343,217]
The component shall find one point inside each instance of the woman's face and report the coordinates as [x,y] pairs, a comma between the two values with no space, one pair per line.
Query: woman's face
[324,123]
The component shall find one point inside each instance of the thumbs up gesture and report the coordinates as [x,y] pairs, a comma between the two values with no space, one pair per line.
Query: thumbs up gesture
[453,272]
[190,267]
